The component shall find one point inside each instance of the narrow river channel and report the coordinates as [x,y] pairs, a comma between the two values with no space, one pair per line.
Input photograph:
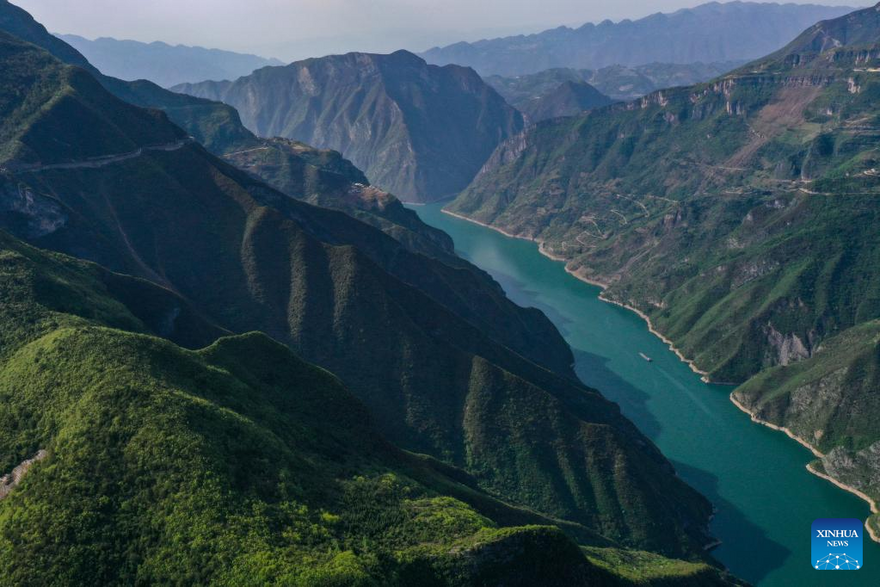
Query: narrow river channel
[756,477]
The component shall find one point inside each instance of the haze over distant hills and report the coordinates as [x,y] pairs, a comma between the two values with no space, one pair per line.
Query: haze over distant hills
[617,81]
[708,33]
[164,64]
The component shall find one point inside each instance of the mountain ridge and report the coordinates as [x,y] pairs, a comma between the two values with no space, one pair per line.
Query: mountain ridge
[617,82]
[164,64]
[709,32]
[570,98]
[218,127]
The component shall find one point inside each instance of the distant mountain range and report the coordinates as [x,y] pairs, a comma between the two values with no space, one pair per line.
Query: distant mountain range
[714,32]
[527,92]
[419,131]
[164,64]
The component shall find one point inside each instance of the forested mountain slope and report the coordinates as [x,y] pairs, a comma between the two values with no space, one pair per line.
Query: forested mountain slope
[739,215]
[299,172]
[239,464]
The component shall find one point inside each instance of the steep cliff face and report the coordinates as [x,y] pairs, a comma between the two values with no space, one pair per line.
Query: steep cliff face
[421,132]
[831,401]
[732,176]
[740,215]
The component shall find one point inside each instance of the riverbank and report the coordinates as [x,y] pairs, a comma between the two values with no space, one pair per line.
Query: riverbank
[818,454]
[776,427]
[874,535]
[603,286]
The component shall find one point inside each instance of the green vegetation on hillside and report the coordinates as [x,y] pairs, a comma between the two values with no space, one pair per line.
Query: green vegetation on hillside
[741,216]
[236,464]
[831,401]
[325,178]
[46,126]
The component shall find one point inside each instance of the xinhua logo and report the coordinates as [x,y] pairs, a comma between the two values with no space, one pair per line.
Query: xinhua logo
[837,544]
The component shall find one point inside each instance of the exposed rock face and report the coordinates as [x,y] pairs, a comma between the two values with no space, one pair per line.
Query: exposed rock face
[710,32]
[830,400]
[34,215]
[694,195]
[859,469]
[748,207]
[443,361]
[321,177]
[789,347]
[12,480]
[419,131]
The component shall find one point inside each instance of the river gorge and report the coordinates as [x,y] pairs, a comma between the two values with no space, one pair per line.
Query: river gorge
[756,477]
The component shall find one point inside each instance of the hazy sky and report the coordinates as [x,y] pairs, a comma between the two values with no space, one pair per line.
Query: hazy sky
[292,29]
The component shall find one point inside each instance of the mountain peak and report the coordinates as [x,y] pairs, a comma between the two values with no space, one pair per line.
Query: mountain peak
[419,131]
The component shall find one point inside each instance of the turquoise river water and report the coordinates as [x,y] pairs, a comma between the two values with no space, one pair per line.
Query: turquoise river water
[755,476]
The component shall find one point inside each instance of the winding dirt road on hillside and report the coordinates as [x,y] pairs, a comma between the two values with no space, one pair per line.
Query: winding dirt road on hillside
[98,162]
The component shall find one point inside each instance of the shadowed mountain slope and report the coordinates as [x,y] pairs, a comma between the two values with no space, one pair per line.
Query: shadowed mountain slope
[445,364]
[140,462]
[300,172]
